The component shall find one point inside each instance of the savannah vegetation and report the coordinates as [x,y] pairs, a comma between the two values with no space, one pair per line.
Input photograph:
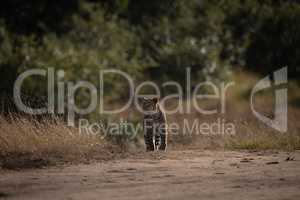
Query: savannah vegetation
[237,40]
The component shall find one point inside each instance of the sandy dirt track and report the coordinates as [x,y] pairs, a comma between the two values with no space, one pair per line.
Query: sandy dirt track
[172,175]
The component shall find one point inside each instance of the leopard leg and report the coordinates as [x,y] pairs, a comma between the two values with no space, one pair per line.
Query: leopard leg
[157,140]
[148,136]
[163,142]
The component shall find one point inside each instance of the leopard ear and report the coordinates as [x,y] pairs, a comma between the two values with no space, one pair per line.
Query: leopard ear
[155,100]
[143,99]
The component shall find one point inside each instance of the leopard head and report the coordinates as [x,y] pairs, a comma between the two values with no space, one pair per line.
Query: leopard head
[150,104]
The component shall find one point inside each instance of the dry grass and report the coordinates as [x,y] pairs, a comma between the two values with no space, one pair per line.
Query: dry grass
[26,142]
[251,133]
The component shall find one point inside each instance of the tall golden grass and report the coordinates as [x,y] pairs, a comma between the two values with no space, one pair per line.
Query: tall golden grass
[29,142]
[250,132]
[25,141]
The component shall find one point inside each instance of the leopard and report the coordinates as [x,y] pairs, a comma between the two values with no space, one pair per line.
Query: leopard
[155,125]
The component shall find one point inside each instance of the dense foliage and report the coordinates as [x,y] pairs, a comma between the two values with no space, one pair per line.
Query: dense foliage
[147,38]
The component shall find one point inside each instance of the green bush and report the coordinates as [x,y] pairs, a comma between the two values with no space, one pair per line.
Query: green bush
[155,40]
